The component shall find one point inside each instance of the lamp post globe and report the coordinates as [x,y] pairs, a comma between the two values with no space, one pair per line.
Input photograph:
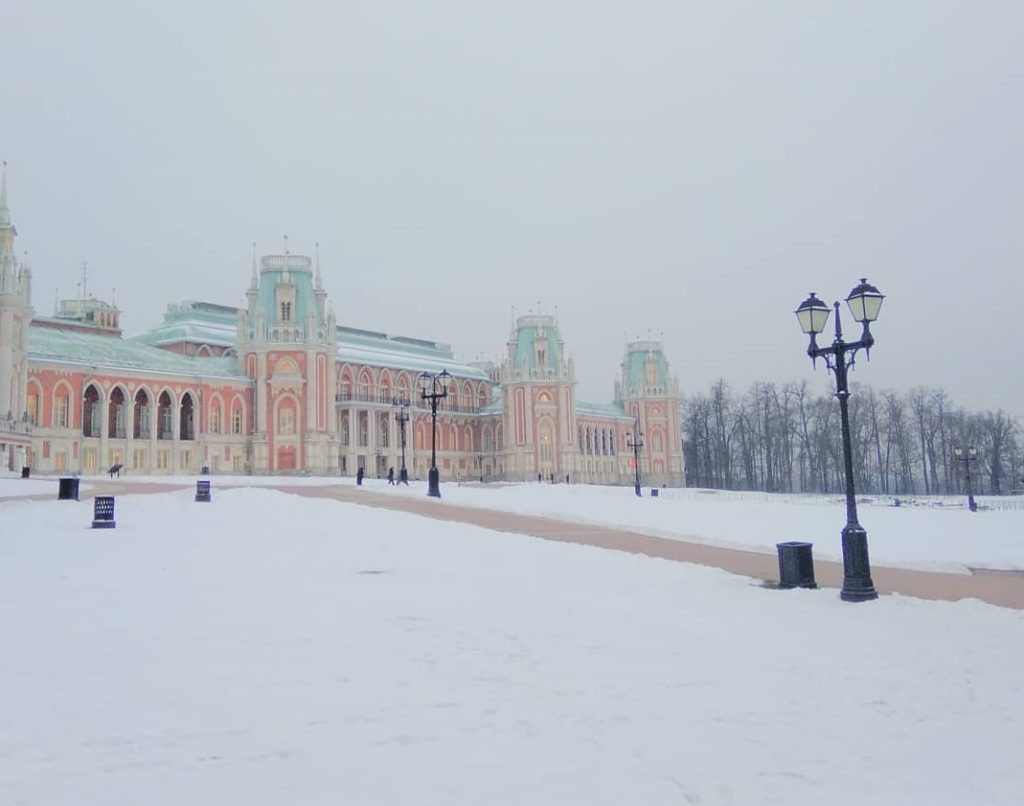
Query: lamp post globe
[864,301]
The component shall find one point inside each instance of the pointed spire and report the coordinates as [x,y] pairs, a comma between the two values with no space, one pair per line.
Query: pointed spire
[319,278]
[255,281]
[5,213]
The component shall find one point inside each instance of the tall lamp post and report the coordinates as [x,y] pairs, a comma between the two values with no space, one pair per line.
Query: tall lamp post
[636,442]
[864,301]
[434,388]
[402,417]
[967,455]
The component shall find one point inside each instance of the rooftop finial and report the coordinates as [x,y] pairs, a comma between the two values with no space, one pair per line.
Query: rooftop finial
[5,213]
[319,278]
[255,272]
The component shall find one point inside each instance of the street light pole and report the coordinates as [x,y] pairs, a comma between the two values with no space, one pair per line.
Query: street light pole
[967,455]
[864,301]
[636,442]
[434,388]
[402,417]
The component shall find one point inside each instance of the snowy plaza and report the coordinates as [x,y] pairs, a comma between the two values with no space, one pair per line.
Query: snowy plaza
[271,648]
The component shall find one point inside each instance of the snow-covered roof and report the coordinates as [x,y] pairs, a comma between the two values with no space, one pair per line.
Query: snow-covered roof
[110,353]
[603,410]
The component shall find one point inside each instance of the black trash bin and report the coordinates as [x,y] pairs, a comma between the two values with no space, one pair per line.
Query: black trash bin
[796,565]
[25,471]
[654,492]
[203,490]
[68,490]
[103,512]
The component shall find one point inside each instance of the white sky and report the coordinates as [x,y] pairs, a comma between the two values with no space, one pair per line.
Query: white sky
[689,169]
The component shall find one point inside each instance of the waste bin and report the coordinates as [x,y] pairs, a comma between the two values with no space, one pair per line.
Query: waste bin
[203,490]
[103,512]
[654,492]
[68,490]
[796,565]
[25,471]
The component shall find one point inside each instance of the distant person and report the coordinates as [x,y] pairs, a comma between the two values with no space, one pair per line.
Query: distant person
[359,477]
[540,478]
[391,475]
[566,478]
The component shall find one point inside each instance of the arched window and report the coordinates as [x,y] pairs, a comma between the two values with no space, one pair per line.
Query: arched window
[32,402]
[214,425]
[60,407]
[344,430]
[364,429]
[164,417]
[186,425]
[467,444]
[237,418]
[116,414]
[140,416]
[91,413]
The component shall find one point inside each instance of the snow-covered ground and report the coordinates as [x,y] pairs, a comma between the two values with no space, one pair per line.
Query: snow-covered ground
[935,534]
[272,649]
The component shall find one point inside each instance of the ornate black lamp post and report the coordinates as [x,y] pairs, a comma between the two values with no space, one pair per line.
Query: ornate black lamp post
[636,442]
[967,455]
[864,301]
[434,388]
[402,417]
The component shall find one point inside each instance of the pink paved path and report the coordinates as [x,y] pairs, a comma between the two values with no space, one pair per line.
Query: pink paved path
[1005,588]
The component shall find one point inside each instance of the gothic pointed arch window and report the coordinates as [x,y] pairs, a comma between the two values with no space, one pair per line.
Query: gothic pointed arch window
[165,416]
[92,413]
[186,425]
[141,415]
[116,414]
[61,409]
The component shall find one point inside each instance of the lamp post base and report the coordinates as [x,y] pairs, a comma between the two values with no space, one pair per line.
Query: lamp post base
[857,584]
[434,483]
[403,477]
[636,489]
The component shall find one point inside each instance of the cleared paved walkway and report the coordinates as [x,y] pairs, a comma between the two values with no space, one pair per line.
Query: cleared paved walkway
[1004,588]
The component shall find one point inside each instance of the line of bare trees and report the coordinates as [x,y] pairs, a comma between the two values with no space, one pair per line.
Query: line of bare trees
[787,439]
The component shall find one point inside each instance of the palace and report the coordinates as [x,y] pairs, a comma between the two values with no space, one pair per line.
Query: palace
[279,386]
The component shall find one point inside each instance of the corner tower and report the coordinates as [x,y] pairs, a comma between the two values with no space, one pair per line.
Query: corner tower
[287,345]
[538,382]
[15,316]
[649,393]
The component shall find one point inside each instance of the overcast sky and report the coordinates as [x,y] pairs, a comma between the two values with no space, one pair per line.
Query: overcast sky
[686,169]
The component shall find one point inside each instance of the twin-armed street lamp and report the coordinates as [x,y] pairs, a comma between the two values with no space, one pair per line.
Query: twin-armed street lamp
[864,301]
[635,441]
[434,388]
[402,417]
[967,455]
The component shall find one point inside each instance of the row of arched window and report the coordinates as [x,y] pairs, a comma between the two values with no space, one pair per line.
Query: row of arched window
[383,386]
[136,415]
[597,441]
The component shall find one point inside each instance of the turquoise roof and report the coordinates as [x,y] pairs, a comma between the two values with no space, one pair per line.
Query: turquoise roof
[530,330]
[602,410]
[198,322]
[299,274]
[638,355]
[111,353]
